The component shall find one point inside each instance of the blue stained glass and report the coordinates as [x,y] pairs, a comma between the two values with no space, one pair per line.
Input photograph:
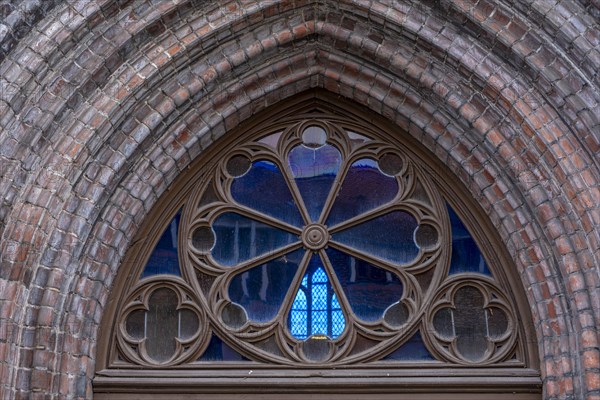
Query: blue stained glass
[314,170]
[261,290]
[364,188]
[164,259]
[389,237]
[466,256]
[218,350]
[316,309]
[239,238]
[412,350]
[263,188]
[370,290]
[338,322]
[298,315]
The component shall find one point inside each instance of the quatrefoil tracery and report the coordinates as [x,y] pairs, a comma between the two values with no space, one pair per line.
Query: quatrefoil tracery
[472,322]
[162,323]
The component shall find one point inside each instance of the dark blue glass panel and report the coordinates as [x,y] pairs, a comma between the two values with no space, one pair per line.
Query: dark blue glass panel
[414,349]
[370,290]
[218,350]
[389,237]
[314,171]
[316,309]
[466,256]
[239,238]
[364,189]
[163,259]
[263,188]
[261,290]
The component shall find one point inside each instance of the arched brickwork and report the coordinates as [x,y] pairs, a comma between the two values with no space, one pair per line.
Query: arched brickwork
[103,104]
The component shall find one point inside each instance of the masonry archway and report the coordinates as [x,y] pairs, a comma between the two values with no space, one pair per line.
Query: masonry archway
[105,103]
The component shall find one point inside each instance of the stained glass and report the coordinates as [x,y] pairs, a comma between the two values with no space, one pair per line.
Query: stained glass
[360,280]
[394,243]
[316,309]
[364,188]
[264,189]
[164,259]
[261,290]
[314,170]
[466,256]
[239,238]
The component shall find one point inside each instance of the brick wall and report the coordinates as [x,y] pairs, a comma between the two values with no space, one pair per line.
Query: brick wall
[103,103]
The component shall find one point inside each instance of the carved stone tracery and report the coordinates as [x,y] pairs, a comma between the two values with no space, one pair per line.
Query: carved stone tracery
[308,226]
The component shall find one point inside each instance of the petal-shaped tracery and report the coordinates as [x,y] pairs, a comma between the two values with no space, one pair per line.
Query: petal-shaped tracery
[393,243]
[370,290]
[364,188]
[316,309]
[262,289]
[239,238]
[314,170]
[263,188]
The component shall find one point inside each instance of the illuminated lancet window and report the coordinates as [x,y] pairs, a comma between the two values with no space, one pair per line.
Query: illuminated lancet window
[316,309]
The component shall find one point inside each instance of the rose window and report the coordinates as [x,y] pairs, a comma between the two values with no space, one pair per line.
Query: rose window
[317,244]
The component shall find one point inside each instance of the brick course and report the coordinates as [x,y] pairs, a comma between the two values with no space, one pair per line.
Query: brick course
[103,104]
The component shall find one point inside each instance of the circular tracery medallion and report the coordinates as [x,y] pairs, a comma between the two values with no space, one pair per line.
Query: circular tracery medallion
[318,245]
[315,237]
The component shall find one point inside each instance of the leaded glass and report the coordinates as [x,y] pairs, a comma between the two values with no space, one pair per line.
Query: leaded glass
[316,309]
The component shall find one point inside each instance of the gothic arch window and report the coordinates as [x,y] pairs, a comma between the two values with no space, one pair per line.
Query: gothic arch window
[316,243]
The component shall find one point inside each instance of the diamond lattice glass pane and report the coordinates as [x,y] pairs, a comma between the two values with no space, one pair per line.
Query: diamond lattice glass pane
[389,237]
[239,238]
[261,290]
[314,171]
[263,188]
[299,315]
[164,259]
[370,290]
[364,188]
[338,322]
[316,309]
[466,256]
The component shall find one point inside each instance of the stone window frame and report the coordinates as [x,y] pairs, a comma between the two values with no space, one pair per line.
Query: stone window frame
[226,380]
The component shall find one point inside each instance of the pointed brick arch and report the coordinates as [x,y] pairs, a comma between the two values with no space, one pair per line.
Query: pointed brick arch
[104,105]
